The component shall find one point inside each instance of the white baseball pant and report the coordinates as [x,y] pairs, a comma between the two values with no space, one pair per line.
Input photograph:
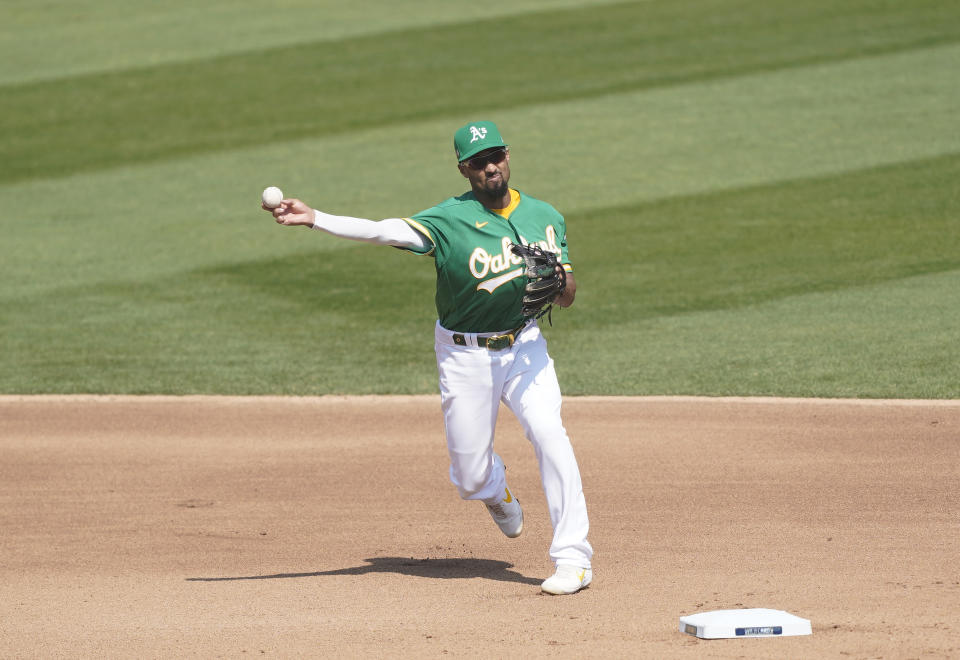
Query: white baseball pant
[473,382]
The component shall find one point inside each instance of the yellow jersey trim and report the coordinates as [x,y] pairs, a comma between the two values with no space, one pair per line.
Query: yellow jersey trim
[423,230]
[511,207]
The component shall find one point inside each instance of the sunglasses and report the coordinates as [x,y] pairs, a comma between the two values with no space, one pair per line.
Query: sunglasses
[480,162]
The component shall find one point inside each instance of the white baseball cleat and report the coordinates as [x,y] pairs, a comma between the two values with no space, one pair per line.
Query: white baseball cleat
[507,514]
[567,580]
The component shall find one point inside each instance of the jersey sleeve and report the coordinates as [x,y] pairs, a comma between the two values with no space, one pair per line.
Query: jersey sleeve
[433,224]
[423,228]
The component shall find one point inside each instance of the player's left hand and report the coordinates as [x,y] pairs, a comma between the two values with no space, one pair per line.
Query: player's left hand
[546,279]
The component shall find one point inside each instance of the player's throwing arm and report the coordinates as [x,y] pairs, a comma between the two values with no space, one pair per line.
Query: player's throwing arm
[293,212]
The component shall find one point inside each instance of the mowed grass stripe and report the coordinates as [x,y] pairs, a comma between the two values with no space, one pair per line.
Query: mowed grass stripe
[89,122]
[111,35]
[358,320]
[742,247]
[895,339]
[609,152]
[602,152]
[737,132]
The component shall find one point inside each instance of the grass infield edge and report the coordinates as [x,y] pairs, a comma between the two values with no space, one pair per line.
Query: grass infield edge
[333,399]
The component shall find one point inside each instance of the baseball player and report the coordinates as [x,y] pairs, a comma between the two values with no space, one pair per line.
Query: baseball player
[487,350]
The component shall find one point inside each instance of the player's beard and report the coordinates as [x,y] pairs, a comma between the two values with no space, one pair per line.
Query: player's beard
[499,188]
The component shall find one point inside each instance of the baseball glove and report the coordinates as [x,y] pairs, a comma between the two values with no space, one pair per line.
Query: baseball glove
[544,281]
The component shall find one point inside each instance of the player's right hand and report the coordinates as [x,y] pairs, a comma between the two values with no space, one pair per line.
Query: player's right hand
[292,212]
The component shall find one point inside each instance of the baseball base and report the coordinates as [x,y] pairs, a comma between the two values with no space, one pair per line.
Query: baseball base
[757,622]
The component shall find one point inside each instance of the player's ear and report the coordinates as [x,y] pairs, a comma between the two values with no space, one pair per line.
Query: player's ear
[463,169]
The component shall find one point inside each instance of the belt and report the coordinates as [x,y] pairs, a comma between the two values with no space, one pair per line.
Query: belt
[493,342]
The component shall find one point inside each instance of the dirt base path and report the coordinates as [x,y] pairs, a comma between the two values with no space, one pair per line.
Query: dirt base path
[242,527]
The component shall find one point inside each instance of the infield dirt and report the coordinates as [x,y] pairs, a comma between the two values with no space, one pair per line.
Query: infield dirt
[240,527]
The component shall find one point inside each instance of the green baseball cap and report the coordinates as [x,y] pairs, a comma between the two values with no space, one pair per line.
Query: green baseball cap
[476,136]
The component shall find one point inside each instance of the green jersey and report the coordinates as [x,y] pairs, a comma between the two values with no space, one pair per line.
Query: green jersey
[479,281]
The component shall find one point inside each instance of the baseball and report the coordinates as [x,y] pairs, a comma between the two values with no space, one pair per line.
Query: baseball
[272,197]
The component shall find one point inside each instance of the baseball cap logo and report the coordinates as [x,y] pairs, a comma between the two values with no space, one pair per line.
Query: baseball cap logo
[477,133]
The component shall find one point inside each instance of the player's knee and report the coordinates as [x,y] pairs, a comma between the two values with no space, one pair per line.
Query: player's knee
[469,482]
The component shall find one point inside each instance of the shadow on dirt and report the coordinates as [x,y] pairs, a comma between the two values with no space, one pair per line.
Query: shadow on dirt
[445,569]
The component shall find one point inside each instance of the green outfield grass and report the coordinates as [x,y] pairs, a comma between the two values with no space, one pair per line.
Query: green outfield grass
[761,196]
